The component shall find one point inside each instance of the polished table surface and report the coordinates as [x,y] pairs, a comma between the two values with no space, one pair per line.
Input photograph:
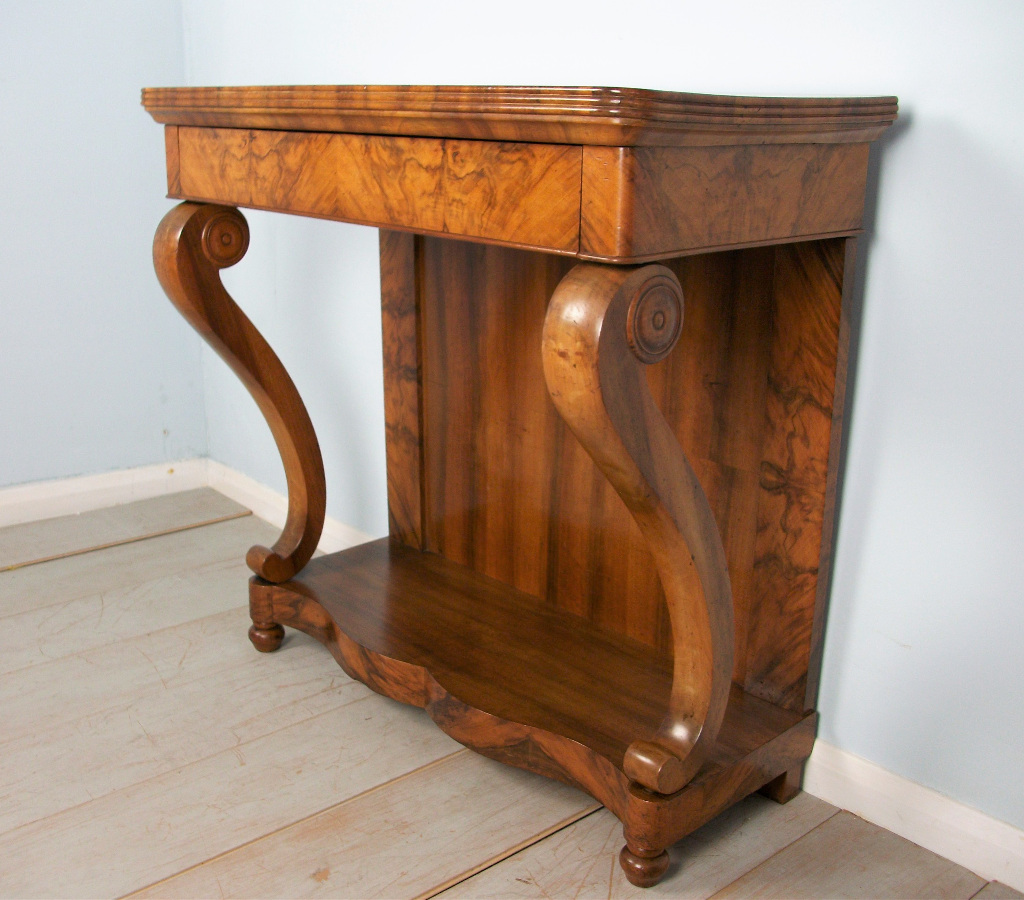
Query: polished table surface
[610,528]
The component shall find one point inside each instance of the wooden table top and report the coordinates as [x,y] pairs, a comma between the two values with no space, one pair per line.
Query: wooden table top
[607,116]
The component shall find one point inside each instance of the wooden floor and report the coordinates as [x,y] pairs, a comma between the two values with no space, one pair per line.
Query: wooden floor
[147,750]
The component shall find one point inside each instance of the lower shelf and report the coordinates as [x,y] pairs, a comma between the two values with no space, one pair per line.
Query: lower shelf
[499,670]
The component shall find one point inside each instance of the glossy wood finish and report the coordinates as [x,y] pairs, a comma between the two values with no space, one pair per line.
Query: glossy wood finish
[602,326]
[524,683]
[607,174]
[525,518]
[652,202]
[586,115]
[797,472]
[192,244]
[613,204]
[403,402]
[610,532]
[513,193]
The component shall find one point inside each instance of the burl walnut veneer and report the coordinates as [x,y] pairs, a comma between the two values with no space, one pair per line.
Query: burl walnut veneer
[610,523]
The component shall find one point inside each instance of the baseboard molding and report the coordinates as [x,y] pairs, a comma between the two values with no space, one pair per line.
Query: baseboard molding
[987,846]
[272,507]
[68,496]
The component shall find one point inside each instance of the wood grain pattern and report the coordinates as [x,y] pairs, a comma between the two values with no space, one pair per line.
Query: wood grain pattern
[794,469]
[602,327]
[716,467]
[512,193]
[193,242]
[583,115]
[649,203]
[402,386]
[830,523]
[874,863]
[173,162]
[576,861]
[390,842]
[509,490]
[500,671]
[49,539]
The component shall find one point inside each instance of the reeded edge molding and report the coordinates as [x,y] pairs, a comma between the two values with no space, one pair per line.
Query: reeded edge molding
[595,115]
[987,846]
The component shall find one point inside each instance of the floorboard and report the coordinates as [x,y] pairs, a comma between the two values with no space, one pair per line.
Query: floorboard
[143,708]
[403,839]
[848,857]
[126,566]
[35,542]
[582,861]
[995,890]
[146,747]
[127,839]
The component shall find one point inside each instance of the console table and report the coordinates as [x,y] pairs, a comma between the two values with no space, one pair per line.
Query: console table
[610,527]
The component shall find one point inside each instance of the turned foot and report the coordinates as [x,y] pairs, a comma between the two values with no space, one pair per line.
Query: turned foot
[785,787]
[643,867]
[266,637]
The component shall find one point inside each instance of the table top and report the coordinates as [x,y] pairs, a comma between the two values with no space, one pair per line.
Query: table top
[599,116]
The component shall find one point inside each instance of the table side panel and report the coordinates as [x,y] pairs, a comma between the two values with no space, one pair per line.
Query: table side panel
[650,202]
[794,509]
[173,163]
[402,391]
[514,193]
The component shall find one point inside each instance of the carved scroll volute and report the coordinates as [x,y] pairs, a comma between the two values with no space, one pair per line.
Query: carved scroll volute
[603,325]
[193,243]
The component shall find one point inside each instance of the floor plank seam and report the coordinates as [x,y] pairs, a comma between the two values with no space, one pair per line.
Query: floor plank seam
[510,852]
[134,637]
[297,822]
[205,568]
[198,761]
[767,859]
[11,567]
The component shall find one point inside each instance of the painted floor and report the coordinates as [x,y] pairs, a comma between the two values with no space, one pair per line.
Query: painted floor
[147,750]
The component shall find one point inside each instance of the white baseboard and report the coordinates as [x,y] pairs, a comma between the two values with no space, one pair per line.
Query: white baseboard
[989,847]
[68,496]
[272,507]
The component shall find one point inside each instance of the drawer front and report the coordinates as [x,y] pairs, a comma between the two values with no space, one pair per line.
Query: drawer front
[508,193]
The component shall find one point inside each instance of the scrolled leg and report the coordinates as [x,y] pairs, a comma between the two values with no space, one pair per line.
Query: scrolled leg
[193,243]
[604,323]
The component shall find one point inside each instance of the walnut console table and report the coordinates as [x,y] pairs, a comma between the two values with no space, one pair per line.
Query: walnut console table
[610,528]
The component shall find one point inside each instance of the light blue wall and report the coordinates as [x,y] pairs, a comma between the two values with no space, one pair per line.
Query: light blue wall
[97,372]
[923,658]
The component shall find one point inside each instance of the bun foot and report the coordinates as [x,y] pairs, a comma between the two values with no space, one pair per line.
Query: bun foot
[643,871]
[266,637]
